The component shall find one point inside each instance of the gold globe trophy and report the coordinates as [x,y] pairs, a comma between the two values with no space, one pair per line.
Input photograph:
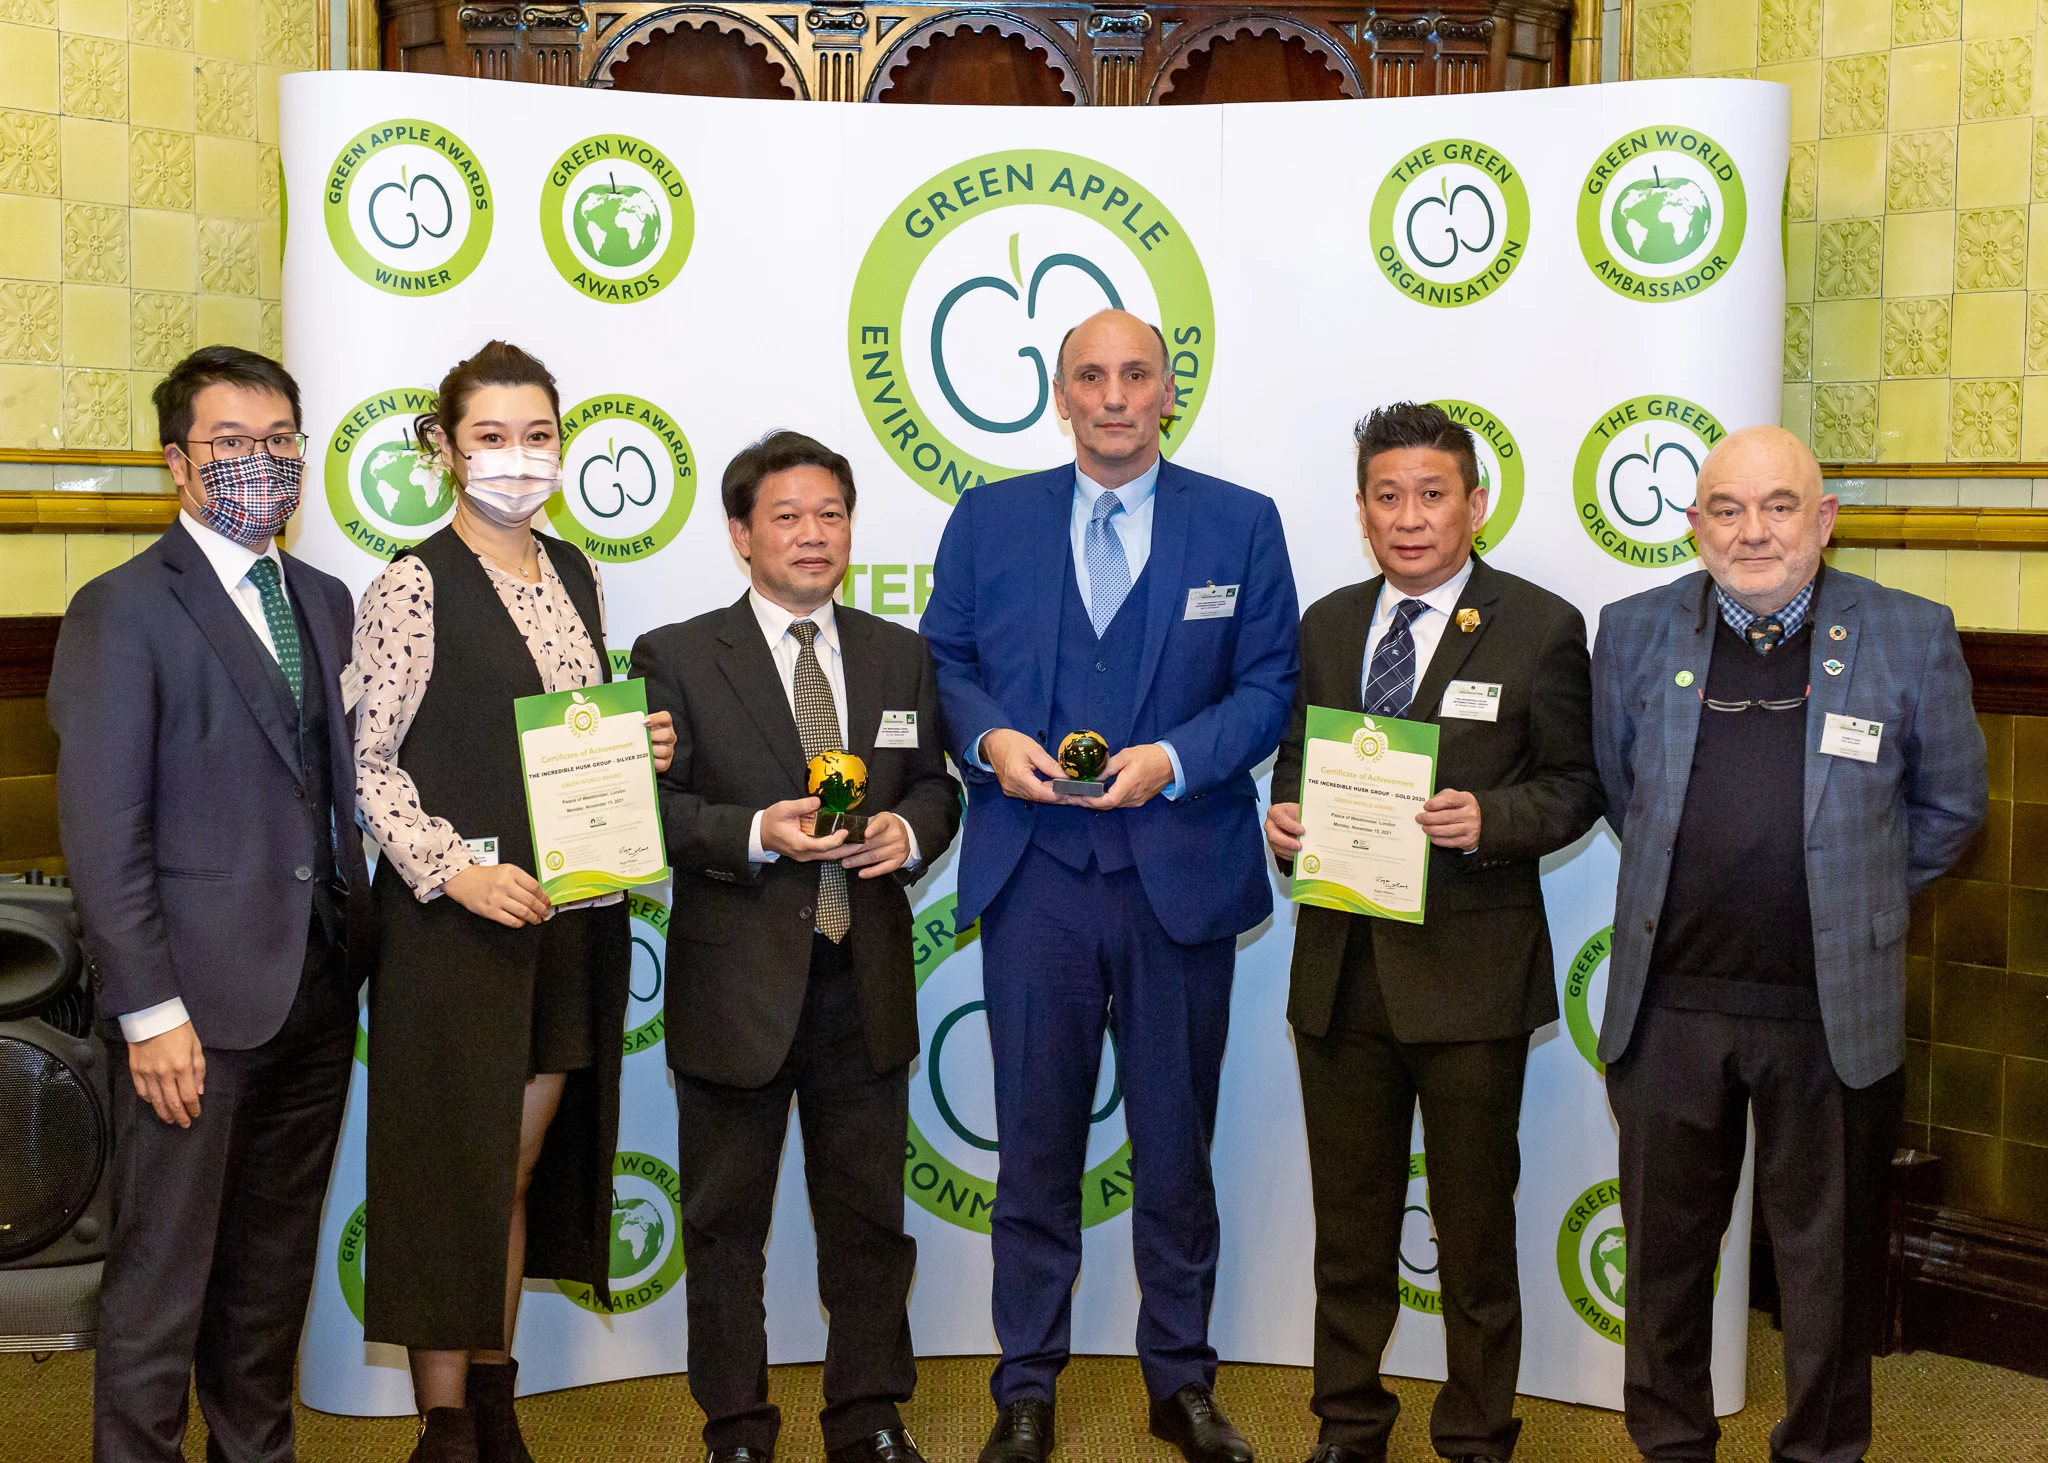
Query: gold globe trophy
[839,781]
[1082,755]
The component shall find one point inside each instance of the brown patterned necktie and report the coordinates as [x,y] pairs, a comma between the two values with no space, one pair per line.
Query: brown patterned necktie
[817,726]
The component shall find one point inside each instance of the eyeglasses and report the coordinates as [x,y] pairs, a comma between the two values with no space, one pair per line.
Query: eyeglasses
[280,444]
[1788,703]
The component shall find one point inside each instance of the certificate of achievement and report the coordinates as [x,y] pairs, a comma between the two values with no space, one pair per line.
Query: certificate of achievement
[1363,780]
[590,790]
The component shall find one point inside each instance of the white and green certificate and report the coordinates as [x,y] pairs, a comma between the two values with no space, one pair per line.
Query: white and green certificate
[1363,780]
[590,791]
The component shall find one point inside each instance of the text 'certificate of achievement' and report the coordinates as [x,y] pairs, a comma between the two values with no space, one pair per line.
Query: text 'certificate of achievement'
[1363,780]
[590,790]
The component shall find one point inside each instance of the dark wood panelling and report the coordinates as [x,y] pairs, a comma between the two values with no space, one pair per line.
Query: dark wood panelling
[27,642]
[2008,671]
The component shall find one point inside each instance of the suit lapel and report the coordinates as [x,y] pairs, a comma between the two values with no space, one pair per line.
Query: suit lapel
[1456,645]
[863,681]
[749,667]
[1834,603]
[241,654]
[1347,649]
[1053,530]
[1690,638]
[1164,566]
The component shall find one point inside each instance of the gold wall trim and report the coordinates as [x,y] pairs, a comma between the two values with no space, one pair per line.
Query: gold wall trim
[96,457]
[87,512]
[1934,469]
[1940,528]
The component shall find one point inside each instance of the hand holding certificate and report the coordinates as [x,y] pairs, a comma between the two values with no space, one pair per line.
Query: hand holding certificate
[590,790]
[1363,780]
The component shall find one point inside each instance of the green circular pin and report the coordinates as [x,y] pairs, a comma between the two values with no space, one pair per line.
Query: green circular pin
[1684,678]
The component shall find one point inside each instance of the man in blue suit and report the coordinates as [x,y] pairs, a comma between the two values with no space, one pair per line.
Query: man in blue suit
[1155,606]
[1790,755]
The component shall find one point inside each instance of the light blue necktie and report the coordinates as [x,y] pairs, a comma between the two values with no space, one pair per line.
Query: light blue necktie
[1109,572]
[1390,679]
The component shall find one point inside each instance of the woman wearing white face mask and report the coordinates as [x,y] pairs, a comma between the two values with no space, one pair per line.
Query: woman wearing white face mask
[496,1021]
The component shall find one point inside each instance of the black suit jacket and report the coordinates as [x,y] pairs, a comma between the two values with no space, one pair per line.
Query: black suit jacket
[1479,966]
[739,934]
[180,798]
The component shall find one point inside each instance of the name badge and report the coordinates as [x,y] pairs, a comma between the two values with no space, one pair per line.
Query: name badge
[1849,736]
[1471,701]
[898,729]
[485,850]
[1212,602]
[353,683]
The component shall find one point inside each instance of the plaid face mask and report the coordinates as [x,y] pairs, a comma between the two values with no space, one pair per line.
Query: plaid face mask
[249,498]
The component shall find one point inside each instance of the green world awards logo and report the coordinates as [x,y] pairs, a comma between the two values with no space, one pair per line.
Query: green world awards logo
[959,1089]
[1420,1290]
[1585,991]
[1450,223]
[1501,468]
[1592,1259]
[629,479]
[647,1237]
[348,1261]
[967,289]
[408,207]
[644,1026]
[616,218]
[1636,474]
[1662,213]
[385,488]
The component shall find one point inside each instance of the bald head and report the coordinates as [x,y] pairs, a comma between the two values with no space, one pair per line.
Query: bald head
[1113,387]
[1109,331]
[1762,516]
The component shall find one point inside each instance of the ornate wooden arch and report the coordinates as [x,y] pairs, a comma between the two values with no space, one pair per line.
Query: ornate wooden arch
[1184,48]
[1059,58]
[644,27]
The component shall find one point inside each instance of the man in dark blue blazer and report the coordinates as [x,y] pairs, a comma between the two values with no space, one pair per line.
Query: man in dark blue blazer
[206,800]
[1153,605]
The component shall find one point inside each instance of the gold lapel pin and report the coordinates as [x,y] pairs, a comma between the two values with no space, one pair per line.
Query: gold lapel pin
[1468,620]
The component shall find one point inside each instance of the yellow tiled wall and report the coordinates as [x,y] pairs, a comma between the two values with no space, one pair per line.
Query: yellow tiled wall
[138,201]
[39,572]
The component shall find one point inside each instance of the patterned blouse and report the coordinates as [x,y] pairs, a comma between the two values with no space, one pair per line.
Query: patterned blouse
[394,660]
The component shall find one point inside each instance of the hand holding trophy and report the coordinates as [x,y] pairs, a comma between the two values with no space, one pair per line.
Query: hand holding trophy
[1082,755]
[839,781]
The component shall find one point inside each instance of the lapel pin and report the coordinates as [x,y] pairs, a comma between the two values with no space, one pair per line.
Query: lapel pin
[1468,620]
[1832,667]
[1684,678]
[1836,632]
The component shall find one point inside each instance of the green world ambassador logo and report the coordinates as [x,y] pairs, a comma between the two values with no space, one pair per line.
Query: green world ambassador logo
[966,289]
[1578,996]
[1661,213]
[1592,1259]
[933,1181]
[629,478]
[1450,222]
[348,1261]
[1636,474]
[647,1237]
[1418,1251]
[408,207]
[616,218]
[644,1027]
[1501,468]
[385,491]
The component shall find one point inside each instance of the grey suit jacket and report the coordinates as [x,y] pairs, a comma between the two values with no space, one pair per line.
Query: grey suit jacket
[1876,833]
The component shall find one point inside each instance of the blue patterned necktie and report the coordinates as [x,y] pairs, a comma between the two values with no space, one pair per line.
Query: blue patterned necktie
[284,630]
[1109,572]
[1390,679]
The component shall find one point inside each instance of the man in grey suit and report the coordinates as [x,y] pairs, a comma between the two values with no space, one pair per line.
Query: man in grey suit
[1790,755]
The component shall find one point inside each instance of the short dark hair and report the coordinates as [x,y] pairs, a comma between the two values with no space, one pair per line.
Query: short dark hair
[215,365]
[499,363]
[1415,424]
[1059,360]
[777,452]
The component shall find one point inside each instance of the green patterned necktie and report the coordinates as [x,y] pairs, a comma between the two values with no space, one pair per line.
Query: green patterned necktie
[284,629]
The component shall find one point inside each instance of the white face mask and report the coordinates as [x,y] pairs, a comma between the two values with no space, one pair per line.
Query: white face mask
[508,485]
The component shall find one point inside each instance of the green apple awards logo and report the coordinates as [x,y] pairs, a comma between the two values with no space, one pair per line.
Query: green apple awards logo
[1661,213]
[947,1178]
[967,288]
[647,1237]
[644,1026]
[629,478]
[1592,1259]
[616,218]
[1636,474]
[1579,995]
[1420,1290]
[1450,222]
[408,207]
[385,489]
[1501,468]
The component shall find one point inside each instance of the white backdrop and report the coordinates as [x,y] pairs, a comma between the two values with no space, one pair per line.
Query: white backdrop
[1594,275]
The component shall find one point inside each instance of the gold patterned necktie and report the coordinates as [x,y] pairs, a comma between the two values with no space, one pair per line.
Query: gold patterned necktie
[817,726]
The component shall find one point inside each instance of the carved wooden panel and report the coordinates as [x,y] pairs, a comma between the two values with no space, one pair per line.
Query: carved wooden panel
[712,58]
[1261,59]
[980,59]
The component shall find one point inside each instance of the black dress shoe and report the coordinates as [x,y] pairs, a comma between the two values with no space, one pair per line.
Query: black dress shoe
[1193,1423]
[1022,1434]
[891,1445]
[738,1455]
[1336,1453]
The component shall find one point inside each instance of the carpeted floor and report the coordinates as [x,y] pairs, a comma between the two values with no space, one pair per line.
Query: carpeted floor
[1930,1409]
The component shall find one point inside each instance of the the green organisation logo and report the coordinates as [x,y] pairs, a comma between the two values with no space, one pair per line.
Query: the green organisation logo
[1592,1259]
[1450,222]
[932,1180]
[965,291]
[408,207]
[1586,970]
[1502,468]
[616,218]
[1661,213]
[644,1026]
[1636,474]
[629,478]
[647,1237]
[1420,1290]
[385,491]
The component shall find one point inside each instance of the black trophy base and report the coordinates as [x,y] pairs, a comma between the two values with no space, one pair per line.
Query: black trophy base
[1068,787]
[855,824]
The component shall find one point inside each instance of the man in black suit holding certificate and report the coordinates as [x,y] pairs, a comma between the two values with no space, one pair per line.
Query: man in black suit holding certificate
[1388,1014]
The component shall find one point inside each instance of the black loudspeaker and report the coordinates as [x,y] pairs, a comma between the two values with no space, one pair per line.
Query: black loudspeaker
[56,1129]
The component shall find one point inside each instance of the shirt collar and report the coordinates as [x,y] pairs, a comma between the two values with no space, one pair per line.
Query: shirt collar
[230,560]
[1133,494]
[1792,617]
[1443,599]
[775,620]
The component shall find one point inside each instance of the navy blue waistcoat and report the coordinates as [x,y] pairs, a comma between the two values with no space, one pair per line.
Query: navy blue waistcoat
[1092,689]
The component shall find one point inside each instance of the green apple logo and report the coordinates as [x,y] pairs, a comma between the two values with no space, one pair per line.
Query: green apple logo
[1659,220]
[1031,353]
[1643,487]
[408,191]
[408,207]
[409,489]
[1609,1265]
[1443,232]
[635,478]
[1637,473]
[1449,222]
[620,226]
[625,475]
[1661,213]
[616,218]
[385,490]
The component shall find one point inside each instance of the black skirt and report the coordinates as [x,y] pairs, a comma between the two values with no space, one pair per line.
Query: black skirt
[564,1031]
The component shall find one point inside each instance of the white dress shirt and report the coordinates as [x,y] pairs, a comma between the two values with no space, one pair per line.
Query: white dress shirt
[232,563]
[785,647]
[1427,628]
